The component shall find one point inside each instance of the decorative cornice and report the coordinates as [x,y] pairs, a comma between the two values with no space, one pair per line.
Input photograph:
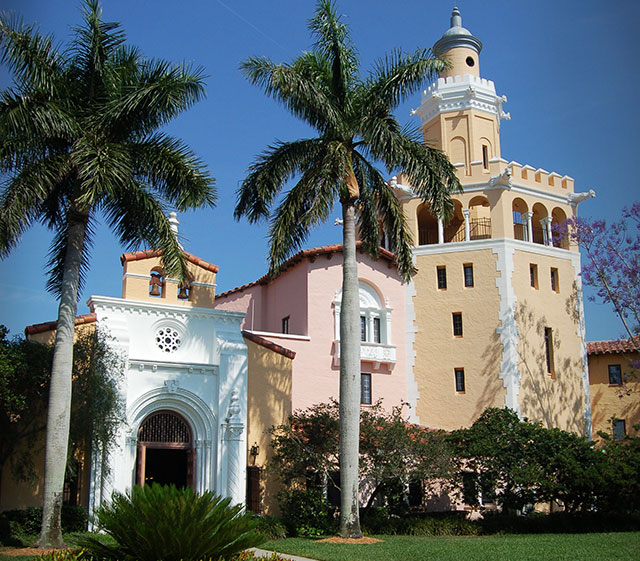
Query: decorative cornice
[165,310]
[492,244]
[192,367]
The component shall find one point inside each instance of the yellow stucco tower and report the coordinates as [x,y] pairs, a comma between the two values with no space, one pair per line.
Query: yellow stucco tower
[497,317]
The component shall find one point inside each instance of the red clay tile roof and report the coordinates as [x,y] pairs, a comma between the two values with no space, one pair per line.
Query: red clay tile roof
[51,325]
[312,254]
[612,347]
[149,253]
[269,344]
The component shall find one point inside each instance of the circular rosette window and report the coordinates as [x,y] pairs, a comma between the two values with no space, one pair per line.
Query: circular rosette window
[168,339]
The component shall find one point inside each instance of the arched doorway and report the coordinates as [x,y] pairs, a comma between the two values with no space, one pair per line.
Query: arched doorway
[165,451]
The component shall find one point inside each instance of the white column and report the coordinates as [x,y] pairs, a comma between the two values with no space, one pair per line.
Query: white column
[467,225]
[529,233]
[234,428]
[546,230]
[440,231]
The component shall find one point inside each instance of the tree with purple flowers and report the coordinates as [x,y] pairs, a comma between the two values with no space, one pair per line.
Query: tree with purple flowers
[613,266]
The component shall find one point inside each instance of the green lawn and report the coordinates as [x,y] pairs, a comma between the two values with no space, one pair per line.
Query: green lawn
[530,547]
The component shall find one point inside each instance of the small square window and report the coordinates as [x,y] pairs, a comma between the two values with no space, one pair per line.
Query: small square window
[468,274]
[533,275]
[365,389]
[457,324]
[285,325]
[555,285]
[459,376]
[619,429]
[615,375]
[442,277]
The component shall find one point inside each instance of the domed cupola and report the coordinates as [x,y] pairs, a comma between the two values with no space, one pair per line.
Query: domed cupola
[460,47]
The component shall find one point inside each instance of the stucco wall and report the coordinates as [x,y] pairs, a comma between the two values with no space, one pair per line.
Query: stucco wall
[269,404]
[605,399]
[556,400]
[439,352]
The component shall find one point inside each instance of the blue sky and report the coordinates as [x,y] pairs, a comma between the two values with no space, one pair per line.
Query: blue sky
[569,70]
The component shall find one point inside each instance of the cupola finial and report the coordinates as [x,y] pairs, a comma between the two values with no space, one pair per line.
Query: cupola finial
[456,18]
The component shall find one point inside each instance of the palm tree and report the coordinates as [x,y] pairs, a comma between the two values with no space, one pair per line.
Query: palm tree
[353,117]
[80,140]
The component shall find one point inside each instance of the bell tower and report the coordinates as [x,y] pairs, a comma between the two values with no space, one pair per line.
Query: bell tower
[461,111]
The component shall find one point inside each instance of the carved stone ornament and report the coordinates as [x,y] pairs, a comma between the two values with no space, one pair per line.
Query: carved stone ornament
[503,179]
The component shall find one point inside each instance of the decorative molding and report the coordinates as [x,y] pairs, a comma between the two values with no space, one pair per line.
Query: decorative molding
[492,244]
[377,353]
[413,393]
[191,367]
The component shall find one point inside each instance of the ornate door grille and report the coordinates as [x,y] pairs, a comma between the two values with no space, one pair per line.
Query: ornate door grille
[164,427]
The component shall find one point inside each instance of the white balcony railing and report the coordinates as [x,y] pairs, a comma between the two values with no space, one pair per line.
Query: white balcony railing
[378,353]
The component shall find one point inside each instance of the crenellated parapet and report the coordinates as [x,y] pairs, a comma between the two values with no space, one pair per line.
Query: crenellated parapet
[539,178]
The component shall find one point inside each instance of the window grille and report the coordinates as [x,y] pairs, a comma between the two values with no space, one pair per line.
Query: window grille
[164,427]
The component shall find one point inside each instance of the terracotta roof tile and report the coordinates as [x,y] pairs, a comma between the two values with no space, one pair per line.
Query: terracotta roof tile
[149,253]
[51,325]
[269,344]
[311,254]
[612,347]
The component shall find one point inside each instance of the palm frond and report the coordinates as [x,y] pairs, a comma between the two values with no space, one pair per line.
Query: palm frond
[273,168]
[173,170]
[24,198]
[150,94]
[58,252]
[333,41]
[398,76]
[307,204]
[139,219]
[30,57]
[301,87]
[378,206]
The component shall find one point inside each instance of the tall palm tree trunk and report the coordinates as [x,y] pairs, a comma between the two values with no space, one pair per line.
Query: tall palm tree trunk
[349,379]
[58,415]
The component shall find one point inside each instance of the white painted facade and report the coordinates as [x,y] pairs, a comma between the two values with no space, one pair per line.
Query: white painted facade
[187,360]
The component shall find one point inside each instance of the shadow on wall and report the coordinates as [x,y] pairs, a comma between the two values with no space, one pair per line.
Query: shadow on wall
[493,391]
[551,367]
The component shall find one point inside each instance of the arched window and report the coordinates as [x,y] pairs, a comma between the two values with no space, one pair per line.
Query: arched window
[540,213]
[560,238]
[479,218]
[519,208]
[375,317]
[156,283]
[427,226]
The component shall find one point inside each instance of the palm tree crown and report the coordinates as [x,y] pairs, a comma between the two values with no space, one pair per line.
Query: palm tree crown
[80,139]
[356,129]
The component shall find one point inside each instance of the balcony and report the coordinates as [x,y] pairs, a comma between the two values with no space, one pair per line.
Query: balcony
[479,229]
[378,353]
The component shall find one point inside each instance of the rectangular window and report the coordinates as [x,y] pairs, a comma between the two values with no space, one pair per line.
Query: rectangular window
[363,328]
[468,274]
[285,325]
[615,375]
[533,275]
[619,429]
[555,285]
[442,277]
[548,348]
[365,389]
[459,375]
[485,156]
[457,324]
[376,330]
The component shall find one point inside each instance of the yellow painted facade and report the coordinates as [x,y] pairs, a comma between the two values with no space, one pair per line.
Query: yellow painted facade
[269,404]
[136,276]
[523,331]
[611,401]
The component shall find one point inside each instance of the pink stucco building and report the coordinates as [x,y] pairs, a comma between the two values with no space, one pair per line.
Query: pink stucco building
[300,310]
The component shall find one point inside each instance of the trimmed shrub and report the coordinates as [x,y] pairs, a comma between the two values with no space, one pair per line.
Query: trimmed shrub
[270,527]
[16,526]
[159,522]
[306,513]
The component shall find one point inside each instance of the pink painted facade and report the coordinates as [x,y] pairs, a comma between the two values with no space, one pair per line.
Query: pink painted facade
[307,292]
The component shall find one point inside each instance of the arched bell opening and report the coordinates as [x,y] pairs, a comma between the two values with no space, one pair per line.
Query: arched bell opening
[165,454]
